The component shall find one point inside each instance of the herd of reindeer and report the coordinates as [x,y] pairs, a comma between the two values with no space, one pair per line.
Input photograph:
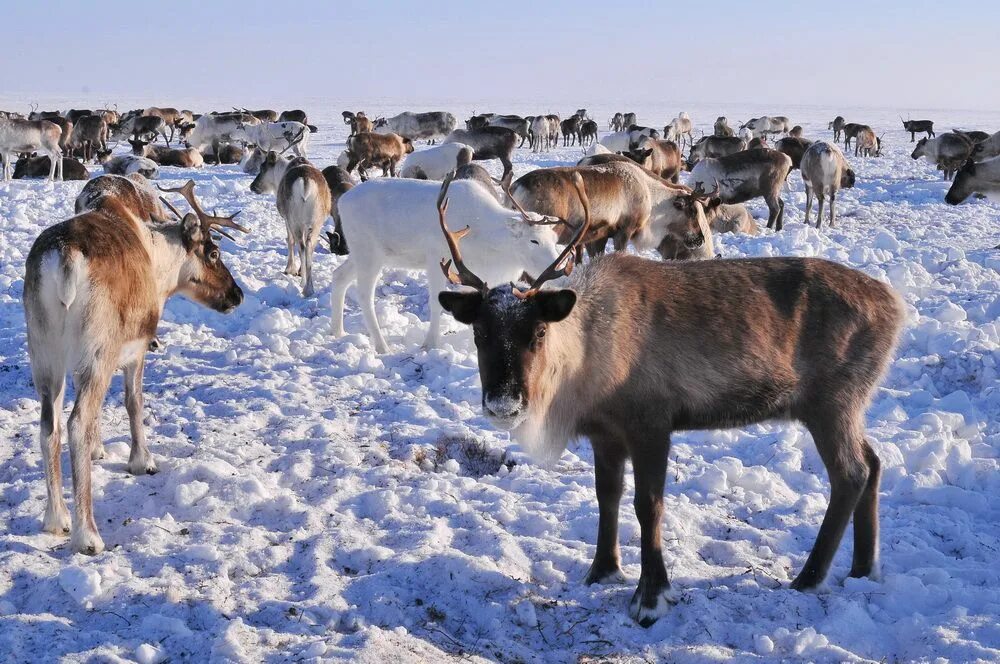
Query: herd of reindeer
[616,350]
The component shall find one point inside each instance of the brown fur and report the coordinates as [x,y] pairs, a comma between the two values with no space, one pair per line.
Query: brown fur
[661,157]
[94,288]
[133,191]
[627,359]
[619,191]
[369,149]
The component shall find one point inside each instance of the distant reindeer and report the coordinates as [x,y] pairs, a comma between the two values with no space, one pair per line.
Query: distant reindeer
[837,125]
[918,126]
[21,136]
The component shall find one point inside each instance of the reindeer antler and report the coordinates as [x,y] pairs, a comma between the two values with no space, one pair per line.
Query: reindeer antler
[565,258]
[208,222]
[505,185]
[465,276]
[293,142]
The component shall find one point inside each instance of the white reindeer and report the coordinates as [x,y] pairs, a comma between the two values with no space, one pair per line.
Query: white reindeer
[394,223]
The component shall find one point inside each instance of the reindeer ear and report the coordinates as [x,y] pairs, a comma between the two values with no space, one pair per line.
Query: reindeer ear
[554,305]
[191,232]
[463,305]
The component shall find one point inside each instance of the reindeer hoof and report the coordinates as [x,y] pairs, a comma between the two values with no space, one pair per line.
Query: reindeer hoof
[87,542]
[604,576]
[97,453]
[650,604]
[143,466]
[56,521]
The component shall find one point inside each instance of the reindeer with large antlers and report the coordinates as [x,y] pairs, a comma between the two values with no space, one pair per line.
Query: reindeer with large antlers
[623,356]
[393,223]
[94,289]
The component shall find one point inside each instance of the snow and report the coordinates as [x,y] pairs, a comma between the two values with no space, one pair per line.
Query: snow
[319,502]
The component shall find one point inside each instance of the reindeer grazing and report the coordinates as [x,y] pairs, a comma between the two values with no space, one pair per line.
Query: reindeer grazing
[679,130]
[368,149]
[866,143]
[435,163]
[21,136]
[947,152]
[825,171]
[588,132]
[94,289]
[837,125]
[974,178]
[621,356]
[634,205]
[339,181]
[137,125]
[747,175]
[90,136]
[274,136]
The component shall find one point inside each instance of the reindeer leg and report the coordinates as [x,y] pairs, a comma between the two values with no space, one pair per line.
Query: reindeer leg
[609,482]
[290,243]
[84,437]
[51,389]
[653,596]
[367,276]
[343,277]
[305,255]
[140,461]
[839,441]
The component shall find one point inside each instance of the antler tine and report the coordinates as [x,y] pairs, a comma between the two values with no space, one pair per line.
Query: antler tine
[172,208]
[207,221]
[517,206]
[553,271]
[465,276]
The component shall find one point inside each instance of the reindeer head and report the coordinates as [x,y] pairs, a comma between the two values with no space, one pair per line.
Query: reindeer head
[509,324]
[268,177]
[963,186]
[138,146]
[688,226]
[203,277]
[918,150]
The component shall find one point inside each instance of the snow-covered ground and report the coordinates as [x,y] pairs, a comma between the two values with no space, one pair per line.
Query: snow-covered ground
[318,501]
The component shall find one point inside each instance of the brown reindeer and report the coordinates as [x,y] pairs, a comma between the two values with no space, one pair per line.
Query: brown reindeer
[622,357]
[94,289]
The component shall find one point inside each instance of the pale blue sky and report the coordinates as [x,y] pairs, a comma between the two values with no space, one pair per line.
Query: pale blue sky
[908,54]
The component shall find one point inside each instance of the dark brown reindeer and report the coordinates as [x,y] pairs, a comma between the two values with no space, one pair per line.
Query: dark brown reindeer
[621,356]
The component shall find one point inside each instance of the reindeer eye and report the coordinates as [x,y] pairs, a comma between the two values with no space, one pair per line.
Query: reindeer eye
[534,242]
[213,255]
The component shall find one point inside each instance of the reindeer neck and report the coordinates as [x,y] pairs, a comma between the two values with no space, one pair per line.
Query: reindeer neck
[168,256]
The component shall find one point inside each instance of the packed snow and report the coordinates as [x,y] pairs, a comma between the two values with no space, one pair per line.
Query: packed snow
[317,501]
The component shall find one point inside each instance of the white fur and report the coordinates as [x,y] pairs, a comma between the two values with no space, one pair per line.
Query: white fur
[276,136]
[540,130]
[616,142]
[434,163]
[394,223]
